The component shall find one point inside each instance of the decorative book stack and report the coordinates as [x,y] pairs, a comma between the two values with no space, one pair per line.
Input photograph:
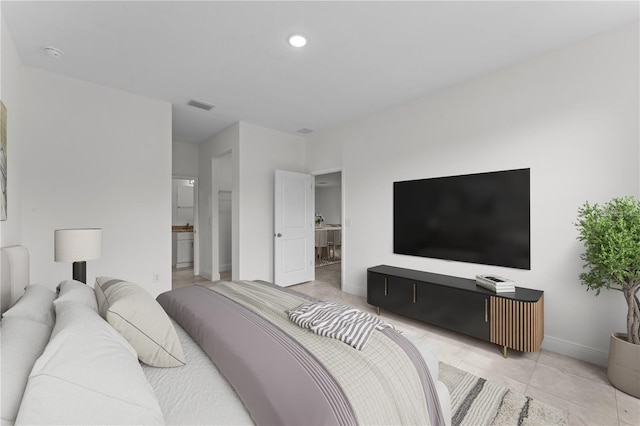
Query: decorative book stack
[496,283]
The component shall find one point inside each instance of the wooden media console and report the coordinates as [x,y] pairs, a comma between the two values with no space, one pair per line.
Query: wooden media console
[511,320]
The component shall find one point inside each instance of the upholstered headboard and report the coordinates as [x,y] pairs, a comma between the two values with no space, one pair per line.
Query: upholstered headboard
[14,274]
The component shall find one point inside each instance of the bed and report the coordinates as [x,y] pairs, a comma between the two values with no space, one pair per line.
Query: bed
[245,352]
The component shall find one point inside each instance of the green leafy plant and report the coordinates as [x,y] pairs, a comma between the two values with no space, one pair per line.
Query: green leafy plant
[611,237]
[319,218]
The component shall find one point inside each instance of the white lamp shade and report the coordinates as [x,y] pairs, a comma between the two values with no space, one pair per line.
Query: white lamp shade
[77,245]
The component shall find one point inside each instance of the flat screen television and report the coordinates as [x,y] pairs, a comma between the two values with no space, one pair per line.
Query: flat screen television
[479,218]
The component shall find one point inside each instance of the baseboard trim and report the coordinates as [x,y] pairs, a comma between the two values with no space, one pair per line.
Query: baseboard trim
[224,268]
[358,291]
[575,350]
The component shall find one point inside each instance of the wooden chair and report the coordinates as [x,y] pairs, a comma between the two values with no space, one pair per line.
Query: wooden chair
[321,244]
[334,240]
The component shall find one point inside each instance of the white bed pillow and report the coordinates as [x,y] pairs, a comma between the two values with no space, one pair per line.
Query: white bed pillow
[77,291]
[36,303]
[22,342]
[88,374]
[141,320]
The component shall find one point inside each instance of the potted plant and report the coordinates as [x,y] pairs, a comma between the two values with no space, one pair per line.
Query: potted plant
[611,237]
[319,219]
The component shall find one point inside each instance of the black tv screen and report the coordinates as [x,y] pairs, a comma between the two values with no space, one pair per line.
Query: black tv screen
[479,218]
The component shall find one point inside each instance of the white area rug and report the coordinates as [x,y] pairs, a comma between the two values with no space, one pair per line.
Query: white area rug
[476,401]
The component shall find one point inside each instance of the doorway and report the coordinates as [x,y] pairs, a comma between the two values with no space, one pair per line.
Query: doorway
[184,228]
[224,234]
[220,218]
[329,229]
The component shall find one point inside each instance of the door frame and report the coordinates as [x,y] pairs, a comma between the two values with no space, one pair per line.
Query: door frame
[214,216]
[343,259]
[196,221]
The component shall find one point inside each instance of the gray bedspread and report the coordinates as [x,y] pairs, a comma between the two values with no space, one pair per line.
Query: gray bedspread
[287,375]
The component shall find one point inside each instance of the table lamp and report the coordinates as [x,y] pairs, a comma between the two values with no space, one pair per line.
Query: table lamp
[78,246]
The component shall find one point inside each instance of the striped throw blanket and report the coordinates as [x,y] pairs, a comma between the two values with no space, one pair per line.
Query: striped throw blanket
[341,322]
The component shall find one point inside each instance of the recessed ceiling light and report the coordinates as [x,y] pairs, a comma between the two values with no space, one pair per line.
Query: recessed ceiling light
[298,40]
[53,52]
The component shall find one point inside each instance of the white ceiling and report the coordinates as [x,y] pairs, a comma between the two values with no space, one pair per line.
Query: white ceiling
[362,57]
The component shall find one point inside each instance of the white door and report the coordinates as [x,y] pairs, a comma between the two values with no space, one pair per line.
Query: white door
[293,228]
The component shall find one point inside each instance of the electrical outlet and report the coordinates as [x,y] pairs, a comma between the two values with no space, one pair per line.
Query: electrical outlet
[156,277]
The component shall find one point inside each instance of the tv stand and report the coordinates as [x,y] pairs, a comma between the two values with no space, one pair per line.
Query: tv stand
[511,320]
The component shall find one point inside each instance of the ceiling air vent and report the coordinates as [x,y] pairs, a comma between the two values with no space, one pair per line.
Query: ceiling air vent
[202,105]
[304,131]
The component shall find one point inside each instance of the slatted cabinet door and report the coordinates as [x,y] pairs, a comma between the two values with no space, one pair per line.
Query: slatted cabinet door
[516,324]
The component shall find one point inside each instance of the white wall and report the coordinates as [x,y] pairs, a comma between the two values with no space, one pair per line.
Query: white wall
[328,203]
[184,159]
[262,151]
[324,154]
[223,178]
[225,147]
[89,156]
[572,116]
[255,152]
[223,172]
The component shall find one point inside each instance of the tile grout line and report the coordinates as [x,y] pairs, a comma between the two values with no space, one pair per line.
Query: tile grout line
[617,407]
[568,372]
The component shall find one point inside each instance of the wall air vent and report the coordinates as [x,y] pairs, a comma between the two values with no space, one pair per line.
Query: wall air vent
[304,131]
[202,105]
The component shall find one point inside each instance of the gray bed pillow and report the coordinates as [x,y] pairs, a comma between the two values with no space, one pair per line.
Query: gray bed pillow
[140,320]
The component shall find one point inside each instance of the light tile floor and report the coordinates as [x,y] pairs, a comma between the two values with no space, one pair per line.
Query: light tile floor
[181,277]
[580,388]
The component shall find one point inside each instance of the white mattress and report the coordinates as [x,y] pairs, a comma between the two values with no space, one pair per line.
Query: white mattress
[195,394]
[198,394]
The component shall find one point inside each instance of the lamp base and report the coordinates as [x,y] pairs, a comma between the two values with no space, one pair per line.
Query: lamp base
[80,271]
